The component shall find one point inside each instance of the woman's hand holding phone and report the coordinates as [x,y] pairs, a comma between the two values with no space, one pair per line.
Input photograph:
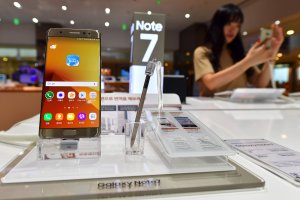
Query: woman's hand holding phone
[260,53]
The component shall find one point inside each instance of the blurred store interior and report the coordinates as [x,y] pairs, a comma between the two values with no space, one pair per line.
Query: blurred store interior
[23,26]
[23,34]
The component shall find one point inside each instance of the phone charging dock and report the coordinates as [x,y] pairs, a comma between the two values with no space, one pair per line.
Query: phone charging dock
[69,148]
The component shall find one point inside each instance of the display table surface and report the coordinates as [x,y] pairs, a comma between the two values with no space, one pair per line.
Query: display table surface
[278,125]
[204,103]
[112,163]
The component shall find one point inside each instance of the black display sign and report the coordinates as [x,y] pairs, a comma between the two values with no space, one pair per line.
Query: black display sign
[147,38]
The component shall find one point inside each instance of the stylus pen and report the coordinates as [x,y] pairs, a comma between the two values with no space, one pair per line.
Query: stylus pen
[149,71]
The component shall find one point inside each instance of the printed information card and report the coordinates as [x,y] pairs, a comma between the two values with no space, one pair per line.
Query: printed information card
[274,157]
[182,135]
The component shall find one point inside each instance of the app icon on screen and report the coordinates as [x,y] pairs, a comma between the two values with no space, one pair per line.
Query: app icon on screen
[60,95]
[73,60]
[48,116]
[81,116]
[70,116]
[53,46]
[93,95]
[71,95]
[82,95]
[59,116]
[49,95]
[92,116]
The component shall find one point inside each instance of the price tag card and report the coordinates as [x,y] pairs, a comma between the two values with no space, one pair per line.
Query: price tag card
[274,157]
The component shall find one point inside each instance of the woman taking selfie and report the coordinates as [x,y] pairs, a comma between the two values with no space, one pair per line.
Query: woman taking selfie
[221,64]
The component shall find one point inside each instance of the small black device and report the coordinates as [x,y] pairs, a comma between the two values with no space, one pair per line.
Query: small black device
[175,84]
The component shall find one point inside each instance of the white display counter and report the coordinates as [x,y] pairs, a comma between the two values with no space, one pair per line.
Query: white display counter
[204,103]
[278,123]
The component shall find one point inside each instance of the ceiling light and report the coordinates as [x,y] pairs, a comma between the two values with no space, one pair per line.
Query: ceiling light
[290,32]
[106,24]
[107,10]
[17,5]
[64,8]
[245,33]
[187,15]
[277,22]
[279,55]
[35,20]
[72,22]
[283,136]
[149,12]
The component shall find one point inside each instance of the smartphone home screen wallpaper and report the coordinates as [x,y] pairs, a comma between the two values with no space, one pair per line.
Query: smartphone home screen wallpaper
[71,91]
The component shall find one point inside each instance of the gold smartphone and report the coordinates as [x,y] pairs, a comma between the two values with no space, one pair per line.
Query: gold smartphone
[70,106]
[265,36]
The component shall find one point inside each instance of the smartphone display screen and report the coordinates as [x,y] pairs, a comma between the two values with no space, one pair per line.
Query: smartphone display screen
[185,122]
[71,90]
[165,123]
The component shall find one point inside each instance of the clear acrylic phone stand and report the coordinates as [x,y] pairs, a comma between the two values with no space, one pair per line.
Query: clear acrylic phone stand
[83,148]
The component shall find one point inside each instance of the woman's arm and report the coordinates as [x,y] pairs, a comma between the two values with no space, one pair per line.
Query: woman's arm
[264,77]
[257,54]
[215,80]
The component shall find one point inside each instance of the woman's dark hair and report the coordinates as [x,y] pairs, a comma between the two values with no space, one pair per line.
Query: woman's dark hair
[215,39]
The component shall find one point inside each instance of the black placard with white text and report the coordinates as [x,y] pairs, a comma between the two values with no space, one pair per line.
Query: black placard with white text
[147,38]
